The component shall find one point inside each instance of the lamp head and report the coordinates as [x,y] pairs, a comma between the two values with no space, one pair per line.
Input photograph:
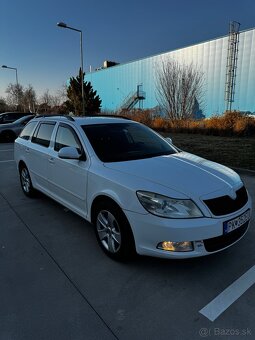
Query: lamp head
[61,24]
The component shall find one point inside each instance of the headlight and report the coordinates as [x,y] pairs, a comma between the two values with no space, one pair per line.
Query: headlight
[164,206]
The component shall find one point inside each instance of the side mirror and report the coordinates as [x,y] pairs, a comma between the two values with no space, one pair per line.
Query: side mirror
[69,152]
[169,140]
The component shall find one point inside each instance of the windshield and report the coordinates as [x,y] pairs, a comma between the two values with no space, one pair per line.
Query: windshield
[126,141]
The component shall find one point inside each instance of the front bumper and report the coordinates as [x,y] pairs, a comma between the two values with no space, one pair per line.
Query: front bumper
[205,233]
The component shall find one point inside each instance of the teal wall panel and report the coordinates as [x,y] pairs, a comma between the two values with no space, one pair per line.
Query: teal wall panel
[114,84]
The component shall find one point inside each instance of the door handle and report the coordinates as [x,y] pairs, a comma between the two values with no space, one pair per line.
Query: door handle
[27,150]
[51,160]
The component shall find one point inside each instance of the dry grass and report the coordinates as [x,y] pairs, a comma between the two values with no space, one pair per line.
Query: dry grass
[229,124]
[228,139]
[231,151]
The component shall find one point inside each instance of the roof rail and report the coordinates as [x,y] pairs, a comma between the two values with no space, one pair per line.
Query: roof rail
[60,116]
[87,116]
[110,116]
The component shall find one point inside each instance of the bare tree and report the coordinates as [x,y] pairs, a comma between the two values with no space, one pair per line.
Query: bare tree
[54,100]
[62,93]
[46,98]
[29,99]
[3,105]
[14,95]
[179,89]
[24,99]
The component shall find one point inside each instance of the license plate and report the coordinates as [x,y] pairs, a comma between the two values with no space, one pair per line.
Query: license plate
[237,222]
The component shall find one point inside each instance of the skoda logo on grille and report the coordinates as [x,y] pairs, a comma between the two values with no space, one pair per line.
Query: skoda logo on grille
[232,194]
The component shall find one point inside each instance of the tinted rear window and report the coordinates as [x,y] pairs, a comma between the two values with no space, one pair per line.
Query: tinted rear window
[28,130]
[43,134]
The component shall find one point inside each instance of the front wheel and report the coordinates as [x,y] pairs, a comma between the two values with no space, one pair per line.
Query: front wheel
[25,181]
[113,232]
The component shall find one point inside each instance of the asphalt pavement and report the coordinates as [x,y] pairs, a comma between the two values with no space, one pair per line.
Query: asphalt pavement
[56,283]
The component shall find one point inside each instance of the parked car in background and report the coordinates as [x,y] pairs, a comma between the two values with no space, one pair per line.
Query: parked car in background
[10,131]
[9,117]
[141,193]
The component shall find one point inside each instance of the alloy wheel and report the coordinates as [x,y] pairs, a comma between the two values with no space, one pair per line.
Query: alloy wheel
[108,231]
[25,180]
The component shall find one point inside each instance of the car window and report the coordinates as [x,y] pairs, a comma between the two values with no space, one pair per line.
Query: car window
[14,115]
[66,136]
[11,116]
[28,130]
[43,134]
[6,117]
[126,141]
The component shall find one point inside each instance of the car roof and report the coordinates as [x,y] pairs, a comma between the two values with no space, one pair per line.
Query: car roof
[88,120]
[17,121]
[17,112]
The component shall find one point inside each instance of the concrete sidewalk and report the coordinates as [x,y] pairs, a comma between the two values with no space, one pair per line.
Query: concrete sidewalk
[38,299]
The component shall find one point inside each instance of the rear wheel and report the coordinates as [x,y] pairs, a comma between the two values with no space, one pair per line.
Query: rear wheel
[113,231]
[25,181]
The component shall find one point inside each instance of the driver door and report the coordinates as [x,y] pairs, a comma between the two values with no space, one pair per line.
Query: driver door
[67,178]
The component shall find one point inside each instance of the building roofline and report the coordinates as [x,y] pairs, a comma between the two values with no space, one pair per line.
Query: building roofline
[158,54]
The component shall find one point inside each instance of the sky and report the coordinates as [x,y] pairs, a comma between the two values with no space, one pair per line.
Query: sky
[122,31]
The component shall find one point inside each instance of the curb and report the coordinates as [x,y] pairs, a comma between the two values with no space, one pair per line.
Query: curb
[244,171]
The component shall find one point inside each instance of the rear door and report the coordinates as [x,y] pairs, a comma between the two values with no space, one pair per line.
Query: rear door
[38,154]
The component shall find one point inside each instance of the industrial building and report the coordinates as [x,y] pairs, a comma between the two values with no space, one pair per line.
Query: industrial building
[228,65]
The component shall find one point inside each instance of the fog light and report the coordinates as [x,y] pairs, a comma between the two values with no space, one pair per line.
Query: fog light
[176,246]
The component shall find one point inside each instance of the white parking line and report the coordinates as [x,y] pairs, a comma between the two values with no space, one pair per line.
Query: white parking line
[8,160]
[225,299]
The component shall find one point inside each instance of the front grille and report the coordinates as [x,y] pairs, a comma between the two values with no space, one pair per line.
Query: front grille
[220,242]
[226,205]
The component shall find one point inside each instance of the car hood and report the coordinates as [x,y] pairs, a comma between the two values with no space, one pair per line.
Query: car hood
[183,172]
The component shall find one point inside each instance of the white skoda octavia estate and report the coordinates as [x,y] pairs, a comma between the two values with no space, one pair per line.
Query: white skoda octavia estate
[142,194]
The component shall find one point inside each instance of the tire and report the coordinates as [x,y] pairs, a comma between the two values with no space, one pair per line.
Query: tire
[113,231]
[25,181]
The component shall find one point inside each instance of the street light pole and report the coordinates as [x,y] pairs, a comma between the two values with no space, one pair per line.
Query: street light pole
[63,25]
[12,68]
[82,81]
[17,83]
